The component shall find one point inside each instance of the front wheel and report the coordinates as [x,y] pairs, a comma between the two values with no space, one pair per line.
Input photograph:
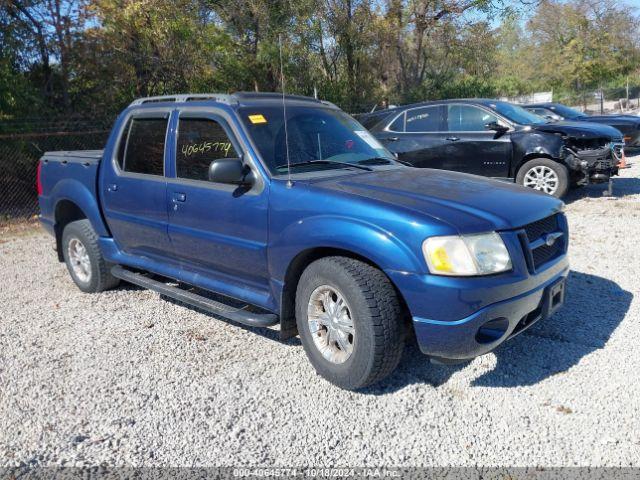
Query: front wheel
[544,175]
[350,321]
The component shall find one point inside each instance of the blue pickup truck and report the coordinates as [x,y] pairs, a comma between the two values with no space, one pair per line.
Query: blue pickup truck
[267,210]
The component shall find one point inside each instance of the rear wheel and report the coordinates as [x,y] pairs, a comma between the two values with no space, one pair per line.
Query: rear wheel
[350,321]
[86,265]
[544,175]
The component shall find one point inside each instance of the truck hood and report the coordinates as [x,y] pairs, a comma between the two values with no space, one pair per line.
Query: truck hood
[468,203]
[580,130]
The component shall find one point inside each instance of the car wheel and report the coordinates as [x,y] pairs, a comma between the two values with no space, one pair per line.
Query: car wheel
[350,321]
[86,265]
[544,175]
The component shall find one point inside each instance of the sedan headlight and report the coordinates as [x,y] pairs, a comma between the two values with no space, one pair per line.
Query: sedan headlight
[466,255]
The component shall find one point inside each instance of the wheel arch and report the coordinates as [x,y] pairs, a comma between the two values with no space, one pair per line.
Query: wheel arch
[533,156]
[65,212]
[75,201]
[292,275]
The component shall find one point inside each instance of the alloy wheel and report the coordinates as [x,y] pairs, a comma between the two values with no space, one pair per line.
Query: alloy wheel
[542,178]
[79,260]
[331,324]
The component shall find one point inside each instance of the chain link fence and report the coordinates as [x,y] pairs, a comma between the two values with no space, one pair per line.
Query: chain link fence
[22,143]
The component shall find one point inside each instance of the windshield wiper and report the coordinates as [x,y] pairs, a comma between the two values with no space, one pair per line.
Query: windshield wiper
[380,160]
[325,162]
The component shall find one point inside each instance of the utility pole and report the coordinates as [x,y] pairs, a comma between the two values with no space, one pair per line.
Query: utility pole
[601,100]
[626,105]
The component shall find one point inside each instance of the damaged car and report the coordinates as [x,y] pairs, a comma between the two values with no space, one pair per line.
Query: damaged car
[501,140]
[629,125]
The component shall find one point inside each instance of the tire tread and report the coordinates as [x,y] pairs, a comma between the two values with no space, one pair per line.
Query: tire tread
[385,315]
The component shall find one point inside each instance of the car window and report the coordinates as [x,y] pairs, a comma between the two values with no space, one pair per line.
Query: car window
[398,124]
[540,111]
[425,119]
[467,118]
[142,146]
[201,141]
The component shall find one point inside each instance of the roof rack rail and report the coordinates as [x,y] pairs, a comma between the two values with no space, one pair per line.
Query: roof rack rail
[274,95]
[227,98]
[185,97]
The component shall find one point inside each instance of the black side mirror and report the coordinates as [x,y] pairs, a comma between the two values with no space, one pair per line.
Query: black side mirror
[496,127]
[231,171]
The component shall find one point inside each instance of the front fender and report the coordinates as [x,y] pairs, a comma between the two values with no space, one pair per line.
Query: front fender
[531,144]
[364,239]
[76,192]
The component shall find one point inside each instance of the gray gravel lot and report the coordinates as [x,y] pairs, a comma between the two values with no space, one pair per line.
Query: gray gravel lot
[128,378]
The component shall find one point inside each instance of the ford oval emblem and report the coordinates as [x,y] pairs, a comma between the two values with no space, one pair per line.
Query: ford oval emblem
[549,240]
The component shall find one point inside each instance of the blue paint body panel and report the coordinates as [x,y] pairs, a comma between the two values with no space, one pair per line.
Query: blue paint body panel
[241,244]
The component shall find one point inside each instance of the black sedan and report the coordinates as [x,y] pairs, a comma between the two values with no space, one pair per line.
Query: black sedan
[501,140]
[629,125]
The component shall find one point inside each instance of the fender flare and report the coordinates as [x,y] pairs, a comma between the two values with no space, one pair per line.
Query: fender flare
[74,191]
[307,240]
[364,239]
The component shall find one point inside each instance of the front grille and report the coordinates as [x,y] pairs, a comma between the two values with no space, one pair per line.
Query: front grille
[543,254]
[538,252]
[537,229]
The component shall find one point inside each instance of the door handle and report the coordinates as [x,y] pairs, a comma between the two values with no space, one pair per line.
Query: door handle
[180,197]
[112,187]
[453,139]
[392,139]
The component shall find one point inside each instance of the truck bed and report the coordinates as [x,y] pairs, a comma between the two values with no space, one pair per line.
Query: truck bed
[71,175]
[74,156]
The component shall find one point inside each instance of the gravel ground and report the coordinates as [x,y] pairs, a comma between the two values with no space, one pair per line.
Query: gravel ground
[128,378]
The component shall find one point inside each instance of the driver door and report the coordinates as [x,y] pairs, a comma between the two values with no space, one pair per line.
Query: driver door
[471,147]
[217,230]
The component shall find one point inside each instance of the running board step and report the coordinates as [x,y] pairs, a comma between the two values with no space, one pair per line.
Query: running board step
[238,315]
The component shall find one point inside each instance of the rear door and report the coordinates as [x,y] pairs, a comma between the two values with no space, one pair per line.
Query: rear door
[217,230]
[418,136]
[133,186]
[470,147]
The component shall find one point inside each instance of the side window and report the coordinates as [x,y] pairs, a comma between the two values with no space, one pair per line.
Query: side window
[543,112]
[398,124]
[427,119]
[201,141]
[467,118]
[141,147]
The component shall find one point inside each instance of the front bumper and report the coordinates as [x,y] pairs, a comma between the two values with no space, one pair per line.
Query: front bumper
[483,331]
[450,313]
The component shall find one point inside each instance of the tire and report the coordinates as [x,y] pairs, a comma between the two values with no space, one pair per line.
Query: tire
[544,166]
[86,265]
[375,314]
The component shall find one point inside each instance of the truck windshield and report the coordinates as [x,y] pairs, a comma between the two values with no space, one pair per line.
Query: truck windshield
[517,114]
[320,138]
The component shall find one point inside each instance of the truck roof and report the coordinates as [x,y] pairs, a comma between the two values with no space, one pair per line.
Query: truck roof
[234,99]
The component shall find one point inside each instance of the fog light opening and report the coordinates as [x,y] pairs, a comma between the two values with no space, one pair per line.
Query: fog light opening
[492,330]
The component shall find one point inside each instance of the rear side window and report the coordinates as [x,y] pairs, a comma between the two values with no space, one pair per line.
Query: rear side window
[201,141]
[142,146]
[398,124]
[427,119]
[467,118]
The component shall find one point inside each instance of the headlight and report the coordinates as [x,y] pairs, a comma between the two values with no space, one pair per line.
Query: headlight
[466,255]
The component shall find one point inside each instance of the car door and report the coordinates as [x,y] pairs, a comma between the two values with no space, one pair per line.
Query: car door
[471,147]
[417,136]
[134,188]
[217,230]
